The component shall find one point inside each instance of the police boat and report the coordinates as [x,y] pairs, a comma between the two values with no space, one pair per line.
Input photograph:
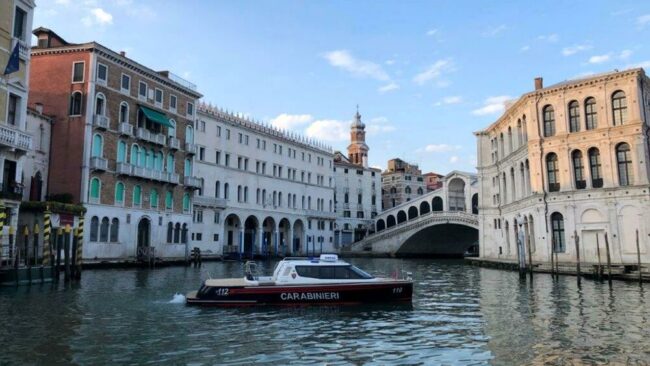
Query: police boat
[304,281]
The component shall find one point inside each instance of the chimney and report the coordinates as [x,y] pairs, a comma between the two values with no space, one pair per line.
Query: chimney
[123,53]
[539,83]
[39,108]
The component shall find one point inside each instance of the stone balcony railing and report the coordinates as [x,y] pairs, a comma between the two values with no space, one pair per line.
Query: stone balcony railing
[193,182]
[23,49]
[124,169]
[212,202]
[146,173]
[13,138]
[190,148]
[101,121]
[174,143]
[126,129]
[156,138]
[320,214]
[98,163]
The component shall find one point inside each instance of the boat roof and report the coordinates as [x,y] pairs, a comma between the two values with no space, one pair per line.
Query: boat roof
[322,260]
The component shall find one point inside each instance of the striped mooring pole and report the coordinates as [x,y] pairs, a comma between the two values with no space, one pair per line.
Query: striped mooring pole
[80,241]
[2,224]
[47,228]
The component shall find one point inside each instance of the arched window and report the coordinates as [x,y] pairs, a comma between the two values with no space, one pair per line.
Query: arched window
[226,193]
[553,172]
[169,200]
[578,169]
[171,130]
[188,168]
[217,189]
[153,198]
[170,232]
[280,200]
[520,133]
[100,104]
[245,194]
[75,104]
[158,161]
[170,163]
[557,225]
[624,162]
[95,190]
[186,202]
[94,228]
[189,135]
[510,146]
[591,115]
[119,193]
[524,127]
[121,151]
[574,116]
[103,230]
[177,233]
[98,146]
[184,234]
[407,190]
[142,157]
[149,158]
[420,191]
[137,196]
[124,112]
[502,146]
[549,121]
[264,197]
[595,168]
[135,152]
[115,230]
[239,194]
[619,108]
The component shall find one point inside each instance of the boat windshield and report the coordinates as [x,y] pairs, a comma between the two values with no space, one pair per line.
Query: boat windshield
[347,272]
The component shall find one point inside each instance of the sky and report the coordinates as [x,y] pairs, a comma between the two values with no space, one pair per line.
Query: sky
[425,74]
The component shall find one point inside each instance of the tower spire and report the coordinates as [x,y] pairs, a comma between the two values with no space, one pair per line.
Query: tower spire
[358,150]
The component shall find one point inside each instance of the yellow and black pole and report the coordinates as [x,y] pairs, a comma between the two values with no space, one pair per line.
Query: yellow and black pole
[37,231]
[47,228]
[80,244]
[73,253]
[2,224]
[66,251]
[26,247]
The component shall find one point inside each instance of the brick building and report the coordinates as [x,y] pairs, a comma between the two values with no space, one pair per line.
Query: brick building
[122,145]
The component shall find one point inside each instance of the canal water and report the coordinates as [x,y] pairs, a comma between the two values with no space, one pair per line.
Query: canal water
[460,315]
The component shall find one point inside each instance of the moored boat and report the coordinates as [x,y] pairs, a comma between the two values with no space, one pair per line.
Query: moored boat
[303,281]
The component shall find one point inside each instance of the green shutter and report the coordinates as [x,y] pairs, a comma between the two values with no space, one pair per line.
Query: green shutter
[121,151]
[137,195]
[186,202]
[119,192]
[94,188]
[169,200]
[98,143]
[154,198]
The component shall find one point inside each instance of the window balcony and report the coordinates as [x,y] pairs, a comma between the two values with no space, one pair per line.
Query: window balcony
[554,187]
[15,139]
[173,178]
[143,134]
[210,202]
[158,175]
[581,184]
[101,121]
[159,139]
[23,48]
[14,191]
[95,200]
[192,182]
[97,163]
[597,183]
[174,143]
[126,129]
[190,148]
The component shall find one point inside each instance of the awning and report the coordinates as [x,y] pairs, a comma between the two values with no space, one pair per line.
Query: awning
[155,116]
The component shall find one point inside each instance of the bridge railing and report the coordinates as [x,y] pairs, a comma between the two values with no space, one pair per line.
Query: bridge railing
[421,221]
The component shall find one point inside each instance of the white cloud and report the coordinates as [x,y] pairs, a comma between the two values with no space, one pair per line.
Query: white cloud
[440,148]
[494,31]
[344,60]
[643,64]
[599,59]
[97,16]
[291,121]
[63,2]
[625,54]
[643,20]
[379,125]
[388,87]
[454,159]
[329,130]
[572,50]
[524,48]
[390,62]
[551,38]
[492,105]
[434,71]
[455,99]
[432,32]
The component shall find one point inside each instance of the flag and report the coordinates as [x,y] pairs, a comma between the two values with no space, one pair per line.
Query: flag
[14,61]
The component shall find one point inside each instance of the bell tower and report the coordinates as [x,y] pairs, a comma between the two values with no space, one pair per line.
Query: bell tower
[358,150]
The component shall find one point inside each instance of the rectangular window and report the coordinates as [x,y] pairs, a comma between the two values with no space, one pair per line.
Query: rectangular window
[142,91]
[102,74]
[227,134]
[218,131]
[241,138]
[78,72]
[172,102]
[20,23]
[246,140]
[218,157]
[263,144]
[215,237]
[190,109]
[12,112]
[201,153]
[158,97]
[202,126]
[227,163]
[126,83]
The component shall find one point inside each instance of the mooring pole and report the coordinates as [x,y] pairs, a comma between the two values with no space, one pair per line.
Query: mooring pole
[609,261]
[638,257]
[600,266]
[80,244]
[37,230]
[552,252]
[73,254]
[59,245]
[577,241]
[47,248]
[12,255]
[66,252]
[530,256]
[28,264]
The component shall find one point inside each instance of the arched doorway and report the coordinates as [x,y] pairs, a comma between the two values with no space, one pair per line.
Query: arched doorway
[436,204]
[144,237]
[231,228]
[269,243]
[424,208]
[284,236]
[298,233]
[250,233]
[457,195]
[413,212]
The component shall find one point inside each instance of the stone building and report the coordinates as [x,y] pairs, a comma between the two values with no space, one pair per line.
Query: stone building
[262,191]
[37,160]
[358,188]
[122,145]
[433,181]
[15,23]
[401,182]
[565,160]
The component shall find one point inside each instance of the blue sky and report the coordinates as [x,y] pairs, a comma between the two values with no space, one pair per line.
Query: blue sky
[426,74]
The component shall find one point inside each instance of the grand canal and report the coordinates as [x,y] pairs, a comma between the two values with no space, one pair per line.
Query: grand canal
[460,315]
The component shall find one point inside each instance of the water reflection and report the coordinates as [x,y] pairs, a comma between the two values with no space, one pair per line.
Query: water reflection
[460,315]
